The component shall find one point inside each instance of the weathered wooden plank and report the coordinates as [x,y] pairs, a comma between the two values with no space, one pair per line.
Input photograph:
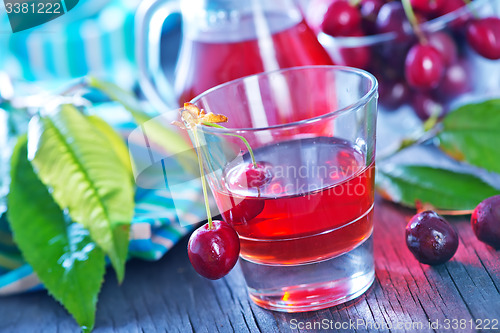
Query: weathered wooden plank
[168,295]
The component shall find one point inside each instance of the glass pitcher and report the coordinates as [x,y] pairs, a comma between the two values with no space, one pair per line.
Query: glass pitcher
[221,40]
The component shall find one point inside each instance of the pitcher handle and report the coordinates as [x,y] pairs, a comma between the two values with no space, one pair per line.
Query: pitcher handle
[149,20]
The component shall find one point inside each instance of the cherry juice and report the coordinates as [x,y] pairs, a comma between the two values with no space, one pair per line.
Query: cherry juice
[211,58]
[317,206]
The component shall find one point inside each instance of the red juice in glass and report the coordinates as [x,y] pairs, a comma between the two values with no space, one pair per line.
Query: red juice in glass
[318,204]
[305,226]
[209,59]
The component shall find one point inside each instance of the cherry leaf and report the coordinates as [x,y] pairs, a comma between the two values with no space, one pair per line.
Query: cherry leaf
[471,134]
[443,189]
[61,252]
[80,165]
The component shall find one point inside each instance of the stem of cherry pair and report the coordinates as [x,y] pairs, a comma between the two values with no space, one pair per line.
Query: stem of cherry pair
[213,248]
[202,173]
[203,180]
[412,18]
[354,3]
[250,151]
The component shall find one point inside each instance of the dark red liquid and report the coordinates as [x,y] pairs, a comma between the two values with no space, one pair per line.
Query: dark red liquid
[317,206]
[209,61]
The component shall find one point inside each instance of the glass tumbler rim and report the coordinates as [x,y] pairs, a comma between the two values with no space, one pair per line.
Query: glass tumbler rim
[349,108]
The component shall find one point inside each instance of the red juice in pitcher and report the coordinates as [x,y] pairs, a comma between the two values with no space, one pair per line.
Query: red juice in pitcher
[212,58]
[318,205]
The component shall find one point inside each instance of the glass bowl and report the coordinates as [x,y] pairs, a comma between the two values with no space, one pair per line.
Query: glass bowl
[467,75]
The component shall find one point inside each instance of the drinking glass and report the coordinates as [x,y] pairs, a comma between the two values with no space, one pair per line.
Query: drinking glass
[305,223]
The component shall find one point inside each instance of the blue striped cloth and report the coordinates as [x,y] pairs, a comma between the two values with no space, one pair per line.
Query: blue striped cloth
[157,225]
[95,37]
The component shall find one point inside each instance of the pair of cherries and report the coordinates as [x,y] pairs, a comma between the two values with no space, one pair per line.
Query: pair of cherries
[213,249]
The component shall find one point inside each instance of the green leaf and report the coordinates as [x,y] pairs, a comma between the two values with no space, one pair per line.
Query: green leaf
[443,189]
[157,130]
[114,139]
[472,134]
[67,261]
[79,164]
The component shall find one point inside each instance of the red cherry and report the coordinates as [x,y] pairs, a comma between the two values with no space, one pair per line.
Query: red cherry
[214,252]
[425,105]
[341,19]
[392,18]
[431,239]
[428,6]
[369,10]
[244,211]
[424,66]
[393,94]
[254,177]
[485,221]
[315,12]
[451,6]
[456,80]
[358,57]
[392,60]
[483,36]
[445,45]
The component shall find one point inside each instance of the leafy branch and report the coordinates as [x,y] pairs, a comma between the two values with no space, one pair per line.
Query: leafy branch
[61,252]
[71,195]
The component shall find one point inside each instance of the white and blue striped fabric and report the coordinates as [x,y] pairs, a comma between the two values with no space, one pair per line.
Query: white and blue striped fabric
[95,37]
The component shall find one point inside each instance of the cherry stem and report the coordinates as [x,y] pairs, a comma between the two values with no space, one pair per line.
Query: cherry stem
[250,150]
[410,15]
[423,206]
[428,134]
[354,3]
[203,181]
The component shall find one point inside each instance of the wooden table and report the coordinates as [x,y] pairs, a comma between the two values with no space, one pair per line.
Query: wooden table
[168,296]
